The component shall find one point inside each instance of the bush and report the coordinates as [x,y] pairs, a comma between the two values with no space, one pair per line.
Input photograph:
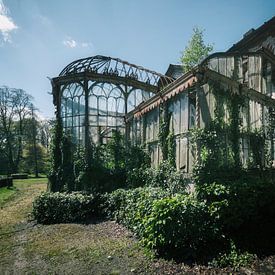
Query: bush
[244,210]
[50,208]
[176,226]
[129,207]
[6,182]
[181,227]
[20,176]
[139,177]
[165,176]
[234,258]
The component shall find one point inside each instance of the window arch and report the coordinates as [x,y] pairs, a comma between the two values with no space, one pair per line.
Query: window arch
[106,110]
[73,110]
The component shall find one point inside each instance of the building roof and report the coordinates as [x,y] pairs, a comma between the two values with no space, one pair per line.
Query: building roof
[174,71]
[115,69]
[252,37]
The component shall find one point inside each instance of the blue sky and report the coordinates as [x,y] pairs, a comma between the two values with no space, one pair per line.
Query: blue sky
[38,37]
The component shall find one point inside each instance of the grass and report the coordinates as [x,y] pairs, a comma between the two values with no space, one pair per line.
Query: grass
[81,248]
[14,215]
[99,248]
[102,248]
[18,205]
[6,194]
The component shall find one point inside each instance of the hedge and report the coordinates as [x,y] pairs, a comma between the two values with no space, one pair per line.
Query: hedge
[6,182]
[50,208]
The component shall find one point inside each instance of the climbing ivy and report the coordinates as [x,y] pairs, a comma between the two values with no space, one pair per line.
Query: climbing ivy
[67,150]
[167,138]
[164,131]
[256,139]
[218,144]
[55,174]
[171,149]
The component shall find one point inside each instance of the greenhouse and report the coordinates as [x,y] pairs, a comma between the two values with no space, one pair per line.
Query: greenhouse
[94,95]
[230,95]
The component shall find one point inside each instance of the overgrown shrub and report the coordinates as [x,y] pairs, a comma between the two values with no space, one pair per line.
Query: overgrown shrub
[102,168]
[181,227]
[139,177]
[129,207]
[50,208]
[68,176]
[165,176]
[244,210]
[55,171]
[176,226]
[98,179]
[233,258]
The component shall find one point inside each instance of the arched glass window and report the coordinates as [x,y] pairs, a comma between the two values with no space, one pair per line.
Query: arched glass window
[106,110]
[73,110]
[136,97]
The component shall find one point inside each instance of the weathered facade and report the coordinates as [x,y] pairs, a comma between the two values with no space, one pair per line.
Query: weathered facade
[195,99]
[98,94]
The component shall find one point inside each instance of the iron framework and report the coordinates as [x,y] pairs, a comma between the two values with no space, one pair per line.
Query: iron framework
[94,95]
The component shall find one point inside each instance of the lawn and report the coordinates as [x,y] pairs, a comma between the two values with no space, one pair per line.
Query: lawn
[102,247]
[6,194]
[98,248]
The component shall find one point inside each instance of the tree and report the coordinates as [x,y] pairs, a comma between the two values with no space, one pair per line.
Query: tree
[35,159]
[195,51]
[14,110]
[45,133]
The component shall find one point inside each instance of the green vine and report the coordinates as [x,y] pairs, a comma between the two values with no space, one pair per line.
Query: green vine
[171,148]
[167,138]
[234,129]
[164,131]
[257,146]
[55,173]
[218,142]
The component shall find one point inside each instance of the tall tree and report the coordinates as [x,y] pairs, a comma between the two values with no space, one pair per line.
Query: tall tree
[45,133]
[14,110]
[35,159]
[195,51]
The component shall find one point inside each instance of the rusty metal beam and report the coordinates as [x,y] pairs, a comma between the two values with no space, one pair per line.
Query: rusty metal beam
[115,68]
[78,77]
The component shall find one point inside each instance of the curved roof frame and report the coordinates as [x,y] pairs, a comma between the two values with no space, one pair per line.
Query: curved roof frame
[114,70]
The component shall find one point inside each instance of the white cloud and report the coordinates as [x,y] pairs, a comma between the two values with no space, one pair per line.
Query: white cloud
[7,24]
[71,43]
[86,44]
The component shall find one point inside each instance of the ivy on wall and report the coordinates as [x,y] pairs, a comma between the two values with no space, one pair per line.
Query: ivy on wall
[218,143]
[55,172]
[171,148]
[167,138]
[164,131]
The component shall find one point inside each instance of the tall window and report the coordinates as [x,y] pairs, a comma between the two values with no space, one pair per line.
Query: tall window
[106,110]
[73,111]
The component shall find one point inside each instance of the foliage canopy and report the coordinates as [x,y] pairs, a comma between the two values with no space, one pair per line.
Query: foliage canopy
[195,51]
